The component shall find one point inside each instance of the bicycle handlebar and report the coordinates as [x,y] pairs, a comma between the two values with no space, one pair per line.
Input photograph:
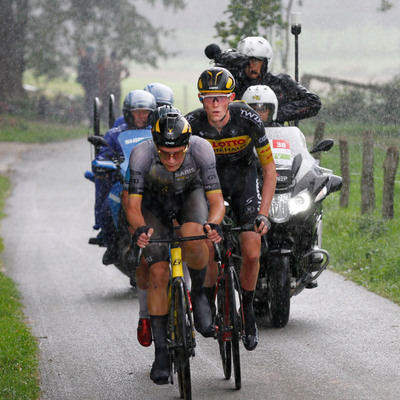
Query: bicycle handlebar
[137,251]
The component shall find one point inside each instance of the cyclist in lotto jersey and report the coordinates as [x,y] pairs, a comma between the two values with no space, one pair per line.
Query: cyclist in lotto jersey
[234,130]
[174,172]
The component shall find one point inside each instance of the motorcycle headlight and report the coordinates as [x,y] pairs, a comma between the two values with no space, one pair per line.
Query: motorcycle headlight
[300,203]
[279,211]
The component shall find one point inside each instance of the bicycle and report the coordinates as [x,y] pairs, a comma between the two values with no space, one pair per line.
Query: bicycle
[229,317]
[181,340]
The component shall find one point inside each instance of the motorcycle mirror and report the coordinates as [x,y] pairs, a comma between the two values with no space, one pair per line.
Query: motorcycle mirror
[97,141]
[323,145]
[296,164]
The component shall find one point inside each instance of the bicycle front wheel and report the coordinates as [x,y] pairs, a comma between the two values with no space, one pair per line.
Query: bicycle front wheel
[183,342]
[234,302]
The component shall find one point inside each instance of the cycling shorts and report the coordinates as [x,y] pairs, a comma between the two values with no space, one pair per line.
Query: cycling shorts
[241,189]
[186,208]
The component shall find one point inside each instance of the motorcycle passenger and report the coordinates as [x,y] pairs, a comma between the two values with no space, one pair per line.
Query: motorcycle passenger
[138,110]
[262,99]
[174,172]
[295,101]
[162,93]
[234,129]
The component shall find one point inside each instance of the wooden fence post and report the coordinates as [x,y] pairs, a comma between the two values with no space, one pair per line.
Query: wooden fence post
[389,174]
[345,172]
[367,174]
[318,136]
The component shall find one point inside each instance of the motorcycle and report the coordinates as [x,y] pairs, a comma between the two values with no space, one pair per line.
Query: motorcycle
[118,166]
[291,254]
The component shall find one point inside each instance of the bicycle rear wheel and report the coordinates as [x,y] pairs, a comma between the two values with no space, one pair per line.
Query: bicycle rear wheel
[182,340]
[234,302]
[225,347]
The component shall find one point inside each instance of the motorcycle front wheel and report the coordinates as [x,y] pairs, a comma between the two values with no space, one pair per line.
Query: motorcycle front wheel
[278,294]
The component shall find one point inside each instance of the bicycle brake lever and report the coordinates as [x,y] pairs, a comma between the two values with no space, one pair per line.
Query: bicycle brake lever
[217,255]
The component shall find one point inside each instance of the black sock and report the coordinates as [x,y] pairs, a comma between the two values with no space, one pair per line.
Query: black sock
[247,300]
[197,276]
[159,328]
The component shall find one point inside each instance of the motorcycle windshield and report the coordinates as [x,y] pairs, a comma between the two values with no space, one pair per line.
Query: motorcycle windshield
[128,140]
[286,142]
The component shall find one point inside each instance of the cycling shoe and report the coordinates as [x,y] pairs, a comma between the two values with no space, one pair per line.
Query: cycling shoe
[160,371]
[144,332]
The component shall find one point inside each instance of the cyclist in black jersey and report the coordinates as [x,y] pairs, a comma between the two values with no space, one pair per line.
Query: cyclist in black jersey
[174,173]
[234,130]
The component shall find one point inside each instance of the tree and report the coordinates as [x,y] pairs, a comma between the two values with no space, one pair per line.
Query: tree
[267,18]
[385,6]
[44,36]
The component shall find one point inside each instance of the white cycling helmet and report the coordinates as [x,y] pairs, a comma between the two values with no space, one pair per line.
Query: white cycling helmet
[257,47]
[262,94]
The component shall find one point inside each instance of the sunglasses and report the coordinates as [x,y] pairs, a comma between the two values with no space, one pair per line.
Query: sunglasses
[177,155]
[220,98]
[254,60]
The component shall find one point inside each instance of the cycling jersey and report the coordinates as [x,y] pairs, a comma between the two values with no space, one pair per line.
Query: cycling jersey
[238,138]
[148,174]
[180,192]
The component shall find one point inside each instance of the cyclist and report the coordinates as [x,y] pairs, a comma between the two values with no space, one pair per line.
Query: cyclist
[138,110]
[234,130]
[295,101]
[174,172]
[262,99]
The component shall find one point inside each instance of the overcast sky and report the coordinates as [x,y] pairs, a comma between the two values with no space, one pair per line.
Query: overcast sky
[343,38]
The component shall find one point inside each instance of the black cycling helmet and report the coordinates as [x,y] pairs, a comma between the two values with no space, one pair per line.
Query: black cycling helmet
[216,79]
[172,130]
[138,100]
[162,110]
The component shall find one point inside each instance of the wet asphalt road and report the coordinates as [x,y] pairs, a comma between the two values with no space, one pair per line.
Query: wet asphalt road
[341,343]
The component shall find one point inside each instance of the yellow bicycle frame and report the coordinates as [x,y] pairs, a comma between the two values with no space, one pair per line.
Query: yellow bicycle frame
[176,262]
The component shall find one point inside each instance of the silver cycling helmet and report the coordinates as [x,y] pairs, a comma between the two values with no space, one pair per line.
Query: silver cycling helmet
[163,94]
[138,100]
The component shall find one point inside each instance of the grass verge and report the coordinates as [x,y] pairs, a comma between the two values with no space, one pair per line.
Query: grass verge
[19,378]
[364,248]
[17,129]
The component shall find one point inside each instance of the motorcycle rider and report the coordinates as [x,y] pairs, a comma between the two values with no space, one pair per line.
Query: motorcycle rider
[154,191]
[262,99]
[162,93]
[138,110]
[234,130]
[251,65]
